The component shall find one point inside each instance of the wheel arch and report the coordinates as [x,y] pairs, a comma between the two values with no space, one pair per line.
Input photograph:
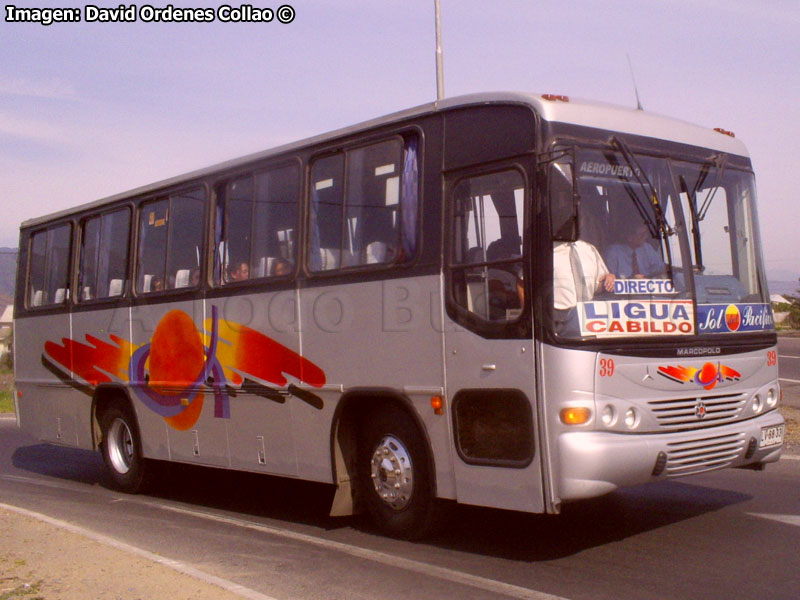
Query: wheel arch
[106,395]
[354,407]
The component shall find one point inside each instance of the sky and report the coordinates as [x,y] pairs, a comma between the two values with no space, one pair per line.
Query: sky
[91,109]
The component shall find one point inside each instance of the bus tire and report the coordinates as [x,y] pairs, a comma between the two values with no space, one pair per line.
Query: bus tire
[394,475]
[122,449]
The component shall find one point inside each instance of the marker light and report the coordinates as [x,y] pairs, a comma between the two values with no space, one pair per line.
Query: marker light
[576,415]
[555,97]
[724,132]
[437,404]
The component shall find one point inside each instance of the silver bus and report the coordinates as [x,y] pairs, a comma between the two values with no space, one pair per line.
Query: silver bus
[507,300]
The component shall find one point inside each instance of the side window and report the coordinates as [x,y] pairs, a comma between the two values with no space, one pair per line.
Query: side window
[486,272]
[327,200]
[170,242]
[364,206]
[258,214]
[48,279]
[103,268]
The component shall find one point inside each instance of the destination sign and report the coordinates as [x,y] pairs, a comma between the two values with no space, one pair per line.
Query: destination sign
[632,318]
[730,318]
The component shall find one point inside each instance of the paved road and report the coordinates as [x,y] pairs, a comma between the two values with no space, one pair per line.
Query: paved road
[727,534]
[789,369]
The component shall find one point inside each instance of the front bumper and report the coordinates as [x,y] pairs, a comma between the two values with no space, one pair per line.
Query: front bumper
[593,463]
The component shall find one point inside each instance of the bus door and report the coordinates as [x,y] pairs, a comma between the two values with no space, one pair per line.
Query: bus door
[489,350]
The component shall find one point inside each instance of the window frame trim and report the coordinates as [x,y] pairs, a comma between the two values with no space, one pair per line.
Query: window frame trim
[520,327]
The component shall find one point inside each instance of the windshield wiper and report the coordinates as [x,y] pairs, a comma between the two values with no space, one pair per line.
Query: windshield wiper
[660,227]
[720,161]
[698,214]
[692,201]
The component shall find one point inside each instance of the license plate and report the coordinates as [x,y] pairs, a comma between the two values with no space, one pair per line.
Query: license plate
[771,436]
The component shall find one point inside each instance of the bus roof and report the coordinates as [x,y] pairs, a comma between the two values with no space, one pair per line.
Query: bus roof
[577,112]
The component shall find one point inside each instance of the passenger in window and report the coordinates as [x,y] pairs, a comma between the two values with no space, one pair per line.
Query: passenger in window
[636,258]
[579,273]
[157,284]
[281,266]
[194,278]
[240,271]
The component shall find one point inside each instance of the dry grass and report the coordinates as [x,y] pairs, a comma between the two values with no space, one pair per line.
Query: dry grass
[792,439]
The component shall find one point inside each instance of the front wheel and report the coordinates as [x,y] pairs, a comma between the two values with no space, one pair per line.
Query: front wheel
[394,475]
[122,449]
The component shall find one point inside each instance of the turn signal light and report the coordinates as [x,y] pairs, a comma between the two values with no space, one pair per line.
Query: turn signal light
[437,404]
[576,415]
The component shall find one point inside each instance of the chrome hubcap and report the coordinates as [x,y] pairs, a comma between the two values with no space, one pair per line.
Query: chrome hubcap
[120,446]
[392,473]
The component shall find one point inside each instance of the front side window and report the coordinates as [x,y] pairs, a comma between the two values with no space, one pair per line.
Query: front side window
[486,274]
[48,279]
[103,267]
[259,216]
[170,242]
[364,206]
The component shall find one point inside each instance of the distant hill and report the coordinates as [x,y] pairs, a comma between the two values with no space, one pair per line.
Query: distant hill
[784,287]
[8,274]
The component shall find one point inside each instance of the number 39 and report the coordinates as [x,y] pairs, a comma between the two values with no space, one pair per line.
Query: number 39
[772,358]
[606,367]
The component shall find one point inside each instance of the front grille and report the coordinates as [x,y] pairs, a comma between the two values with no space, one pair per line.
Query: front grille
[703,454]
[682,413]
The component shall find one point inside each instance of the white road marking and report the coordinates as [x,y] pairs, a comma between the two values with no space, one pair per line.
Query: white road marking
[790,380]
[490,585]
[788,519]
[8,417]
[176,565]
[483,583]
[787,356]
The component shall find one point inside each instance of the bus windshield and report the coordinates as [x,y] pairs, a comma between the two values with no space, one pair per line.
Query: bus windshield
[653,246]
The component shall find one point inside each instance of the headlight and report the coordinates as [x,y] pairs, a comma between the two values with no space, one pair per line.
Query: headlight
[758,404]
[631,418]
[772,397]
[609,415]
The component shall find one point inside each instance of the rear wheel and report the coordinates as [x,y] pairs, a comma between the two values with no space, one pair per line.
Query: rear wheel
[394,475]
[122,449]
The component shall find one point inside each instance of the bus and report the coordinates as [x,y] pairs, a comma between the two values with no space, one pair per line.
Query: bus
[505,299]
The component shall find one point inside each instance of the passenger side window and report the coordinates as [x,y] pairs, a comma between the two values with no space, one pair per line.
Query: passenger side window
[103,268]
[364,206]
[486,275]
[170,242]
[258,217]
[48,277]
